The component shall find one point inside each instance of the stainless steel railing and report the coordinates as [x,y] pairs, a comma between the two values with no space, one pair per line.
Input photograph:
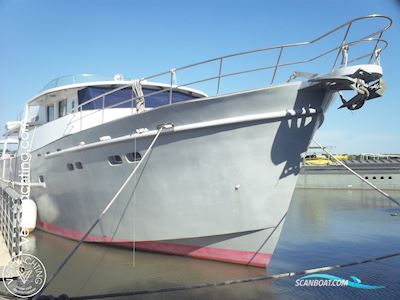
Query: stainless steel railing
[373,38]
[10,219]
[7,168]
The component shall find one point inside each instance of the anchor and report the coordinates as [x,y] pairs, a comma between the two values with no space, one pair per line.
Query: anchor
[364,92]
[367,85]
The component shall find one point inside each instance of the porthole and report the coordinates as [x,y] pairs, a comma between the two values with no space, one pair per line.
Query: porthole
[133,156]
[41,178]
[78,165]
[70,167]
[47,152]
[115,159]
[374,177]
[390,177]
[39,155]
[366,177]
[58,150]
[382,177]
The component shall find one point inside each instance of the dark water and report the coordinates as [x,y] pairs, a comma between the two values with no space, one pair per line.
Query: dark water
[323,227]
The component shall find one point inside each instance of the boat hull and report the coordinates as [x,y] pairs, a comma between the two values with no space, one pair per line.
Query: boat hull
[218,191]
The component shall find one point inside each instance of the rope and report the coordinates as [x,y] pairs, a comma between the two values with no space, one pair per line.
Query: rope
[267,239]
[101,214]
[225,283]
[216,284]
[252,279]
[356,174]
[137,89]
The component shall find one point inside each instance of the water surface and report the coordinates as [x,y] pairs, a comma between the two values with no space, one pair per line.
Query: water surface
[323,227]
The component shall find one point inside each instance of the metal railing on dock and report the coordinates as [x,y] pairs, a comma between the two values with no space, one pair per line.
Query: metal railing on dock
[10,218]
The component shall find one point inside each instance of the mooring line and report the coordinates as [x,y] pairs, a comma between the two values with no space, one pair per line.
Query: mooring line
[225,283]
[61,266]
[216,284]
[356,174]
[267,239]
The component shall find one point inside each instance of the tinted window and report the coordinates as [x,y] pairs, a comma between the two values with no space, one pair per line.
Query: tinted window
[50,113]
[62,108]
[133,156]
[115,160]
[125,94]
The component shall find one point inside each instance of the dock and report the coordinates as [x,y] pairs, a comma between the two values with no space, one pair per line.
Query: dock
[4,256]
[10,231]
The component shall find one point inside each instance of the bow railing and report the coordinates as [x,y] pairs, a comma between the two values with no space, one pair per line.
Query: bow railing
[371,55]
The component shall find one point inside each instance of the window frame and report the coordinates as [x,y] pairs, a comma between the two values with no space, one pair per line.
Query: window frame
[48,119]
[62,108]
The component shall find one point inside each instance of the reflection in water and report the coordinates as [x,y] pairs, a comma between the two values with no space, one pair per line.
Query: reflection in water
[322,228]
[99,269]
[329,227]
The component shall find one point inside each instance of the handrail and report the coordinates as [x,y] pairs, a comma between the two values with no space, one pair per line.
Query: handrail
[71,79]
[285,45]
[374,37]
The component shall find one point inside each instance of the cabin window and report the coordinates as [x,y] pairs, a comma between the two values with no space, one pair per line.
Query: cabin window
[133,156]
[124,95]
[50,113]
[41,179]
[62,108]
[78,165]
[115,160]
[70,167]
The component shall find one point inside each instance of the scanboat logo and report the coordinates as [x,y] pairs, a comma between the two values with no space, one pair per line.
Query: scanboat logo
[24,276]
[331,280]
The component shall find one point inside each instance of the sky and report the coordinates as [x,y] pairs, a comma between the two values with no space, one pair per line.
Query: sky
[45,39]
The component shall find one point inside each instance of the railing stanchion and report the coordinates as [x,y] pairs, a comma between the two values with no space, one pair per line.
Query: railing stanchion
[170,89]
[277,64]
[341,45]
[219,75]
[102,110]
[80,119]
[376,45]
[133,95]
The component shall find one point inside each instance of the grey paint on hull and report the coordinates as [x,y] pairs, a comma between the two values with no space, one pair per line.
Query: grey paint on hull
[186,188]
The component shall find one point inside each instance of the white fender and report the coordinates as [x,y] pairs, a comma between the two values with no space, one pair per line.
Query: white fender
[29,213]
